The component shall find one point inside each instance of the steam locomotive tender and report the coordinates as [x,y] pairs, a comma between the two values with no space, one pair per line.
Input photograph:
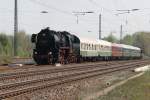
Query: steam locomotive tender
[62,47]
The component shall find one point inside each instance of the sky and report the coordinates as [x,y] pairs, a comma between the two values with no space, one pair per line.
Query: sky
[61,16]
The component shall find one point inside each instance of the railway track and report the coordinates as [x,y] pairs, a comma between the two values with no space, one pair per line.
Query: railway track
[9,90]
[48,66]
[26,68]
[51,70]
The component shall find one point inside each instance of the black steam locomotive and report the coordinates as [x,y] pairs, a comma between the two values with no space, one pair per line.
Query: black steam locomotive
[52,47]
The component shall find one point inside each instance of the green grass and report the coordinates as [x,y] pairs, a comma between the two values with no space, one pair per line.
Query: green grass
[5,59]
[136,89]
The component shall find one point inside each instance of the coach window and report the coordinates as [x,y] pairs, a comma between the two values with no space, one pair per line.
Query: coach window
[99,47]
[89,46]
[105,47]
[82,46]
[93,47]
[86,47]
[96,47]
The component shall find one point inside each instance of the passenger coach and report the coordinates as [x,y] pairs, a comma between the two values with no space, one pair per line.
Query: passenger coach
[130,52]
[95,49]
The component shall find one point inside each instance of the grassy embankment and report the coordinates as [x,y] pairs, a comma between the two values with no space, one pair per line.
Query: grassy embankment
[136,89]
[5,60]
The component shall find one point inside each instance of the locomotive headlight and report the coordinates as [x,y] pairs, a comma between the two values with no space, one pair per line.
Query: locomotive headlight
[50,53]
[35,52]
[44,34]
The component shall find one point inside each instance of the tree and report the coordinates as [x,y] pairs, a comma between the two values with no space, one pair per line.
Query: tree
[5,45]
[142,40]
[111,38]
[127,40]
[24,46]
[138,39]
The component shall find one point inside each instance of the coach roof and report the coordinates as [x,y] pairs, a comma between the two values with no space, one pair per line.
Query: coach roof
[96,41]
